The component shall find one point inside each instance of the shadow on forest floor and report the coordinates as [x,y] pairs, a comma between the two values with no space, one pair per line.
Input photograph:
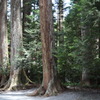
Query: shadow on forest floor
[67,95]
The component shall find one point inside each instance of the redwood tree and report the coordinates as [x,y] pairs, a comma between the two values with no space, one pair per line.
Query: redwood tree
[50,84]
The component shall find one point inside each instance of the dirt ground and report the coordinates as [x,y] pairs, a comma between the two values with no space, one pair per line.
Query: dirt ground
[67,95]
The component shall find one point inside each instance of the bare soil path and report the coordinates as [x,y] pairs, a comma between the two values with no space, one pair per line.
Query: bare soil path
[68,95]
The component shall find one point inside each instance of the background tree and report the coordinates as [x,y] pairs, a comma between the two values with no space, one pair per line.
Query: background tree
[27,8]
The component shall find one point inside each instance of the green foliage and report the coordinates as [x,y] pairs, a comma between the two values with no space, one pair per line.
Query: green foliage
[78,51]
[31,59]
[4,71]
[75,45]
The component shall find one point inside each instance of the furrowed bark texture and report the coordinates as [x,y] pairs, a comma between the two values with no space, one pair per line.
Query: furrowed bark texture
[16,42]
[3,38]
[46,37]
[3,33]
[49,85]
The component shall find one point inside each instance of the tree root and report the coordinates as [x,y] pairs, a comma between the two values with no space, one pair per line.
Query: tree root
[6,86]
[3,81]
[40,91]
[27,77]
[52,89]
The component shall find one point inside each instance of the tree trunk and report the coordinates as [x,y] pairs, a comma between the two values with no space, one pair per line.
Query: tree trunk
[3,38]
[60,15]
[50,85]
[87,54]
[16,42]
[27,6]
[85,77]
[60,37]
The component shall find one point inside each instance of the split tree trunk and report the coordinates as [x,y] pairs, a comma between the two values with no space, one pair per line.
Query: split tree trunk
[50,85]
[3,38]
[16,43]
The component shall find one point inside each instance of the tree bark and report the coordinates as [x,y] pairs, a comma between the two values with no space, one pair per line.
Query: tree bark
[3,37]
[50,84]
[16,43]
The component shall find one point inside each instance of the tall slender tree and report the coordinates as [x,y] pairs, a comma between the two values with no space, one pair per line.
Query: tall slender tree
[85,70]
[16,43]
[3,37]
[27,7]
[60,15]
[49,86]
[88,46]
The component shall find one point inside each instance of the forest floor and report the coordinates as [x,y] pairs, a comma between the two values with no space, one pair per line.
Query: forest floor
[67,95]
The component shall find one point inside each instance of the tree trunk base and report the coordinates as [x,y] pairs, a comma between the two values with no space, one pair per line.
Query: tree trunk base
[85,83]
[6,86]
[3,81]
[52,89]
[39,91]
[10,87]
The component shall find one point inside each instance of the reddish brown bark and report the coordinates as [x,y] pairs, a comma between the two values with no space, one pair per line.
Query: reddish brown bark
[46,37]
[49,85]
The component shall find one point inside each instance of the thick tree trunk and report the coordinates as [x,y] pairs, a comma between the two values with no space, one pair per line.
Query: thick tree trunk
[3,38]
[50,85]
[16,42]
